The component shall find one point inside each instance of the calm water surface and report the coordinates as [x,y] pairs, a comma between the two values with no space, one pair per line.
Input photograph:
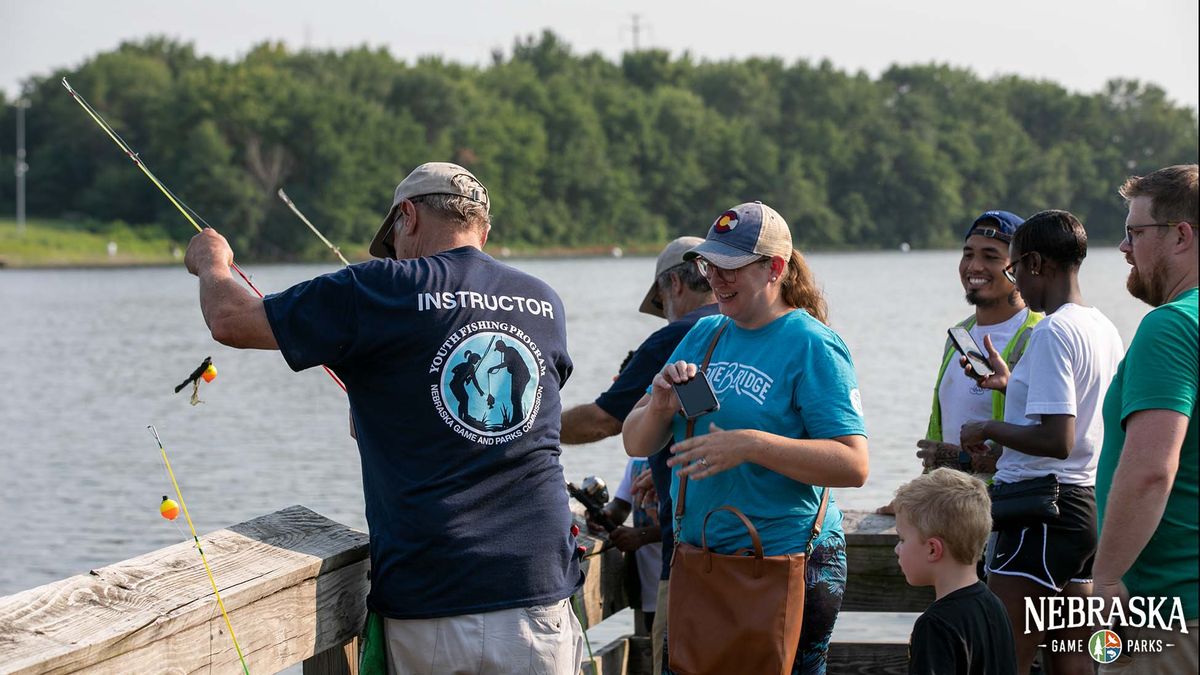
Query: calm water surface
[88,358]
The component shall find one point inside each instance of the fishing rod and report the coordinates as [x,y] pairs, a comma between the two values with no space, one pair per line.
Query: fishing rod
[169,513]
[187,211]
[295,210]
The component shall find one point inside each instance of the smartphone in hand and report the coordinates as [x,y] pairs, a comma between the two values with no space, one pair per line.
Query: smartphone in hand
[696,396]
[965,344]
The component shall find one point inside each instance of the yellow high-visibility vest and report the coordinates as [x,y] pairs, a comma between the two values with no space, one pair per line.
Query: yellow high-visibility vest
[1011,354]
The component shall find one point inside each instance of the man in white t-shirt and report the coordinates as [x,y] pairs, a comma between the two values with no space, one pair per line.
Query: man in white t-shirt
[1000,313]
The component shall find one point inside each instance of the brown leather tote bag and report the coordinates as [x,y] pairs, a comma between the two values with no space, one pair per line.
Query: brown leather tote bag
[737,613]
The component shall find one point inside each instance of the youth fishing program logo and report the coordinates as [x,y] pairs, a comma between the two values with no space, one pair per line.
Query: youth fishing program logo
[488,388]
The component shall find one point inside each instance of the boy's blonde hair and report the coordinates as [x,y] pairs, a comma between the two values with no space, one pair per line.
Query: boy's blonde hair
[951,506]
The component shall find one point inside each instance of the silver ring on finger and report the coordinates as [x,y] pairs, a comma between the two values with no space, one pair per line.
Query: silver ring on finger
[703,461]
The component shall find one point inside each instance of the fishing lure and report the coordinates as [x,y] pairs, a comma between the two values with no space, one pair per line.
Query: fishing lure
[205,371]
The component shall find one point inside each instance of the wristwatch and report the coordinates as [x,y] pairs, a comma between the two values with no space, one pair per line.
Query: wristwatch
[964,461]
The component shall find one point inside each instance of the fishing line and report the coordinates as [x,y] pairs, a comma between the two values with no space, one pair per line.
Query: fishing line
[196,538]
[295,210]
[186,210]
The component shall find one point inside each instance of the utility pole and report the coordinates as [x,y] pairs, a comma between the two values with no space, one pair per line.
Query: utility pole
[21,168]
[635,28]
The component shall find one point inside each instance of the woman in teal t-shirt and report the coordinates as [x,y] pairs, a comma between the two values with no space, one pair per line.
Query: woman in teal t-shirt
[790,420]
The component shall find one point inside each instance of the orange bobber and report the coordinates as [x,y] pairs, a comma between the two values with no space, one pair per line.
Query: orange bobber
[169,508]
[210,373]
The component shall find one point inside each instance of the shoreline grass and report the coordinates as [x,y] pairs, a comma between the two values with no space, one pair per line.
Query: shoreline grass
[59,243]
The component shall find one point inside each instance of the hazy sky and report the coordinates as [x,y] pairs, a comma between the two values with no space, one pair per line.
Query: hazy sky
[1078,43]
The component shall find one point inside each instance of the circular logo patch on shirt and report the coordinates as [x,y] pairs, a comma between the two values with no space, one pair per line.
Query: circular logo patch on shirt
[488,388]
[856,401]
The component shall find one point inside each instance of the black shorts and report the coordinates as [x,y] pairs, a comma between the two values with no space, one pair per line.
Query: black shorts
[1056,552]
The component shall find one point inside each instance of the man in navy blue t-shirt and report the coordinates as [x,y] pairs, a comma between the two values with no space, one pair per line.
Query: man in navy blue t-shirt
[453,364]
[681,295]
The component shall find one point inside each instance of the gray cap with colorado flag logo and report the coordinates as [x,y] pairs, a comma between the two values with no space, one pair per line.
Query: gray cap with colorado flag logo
[744,234]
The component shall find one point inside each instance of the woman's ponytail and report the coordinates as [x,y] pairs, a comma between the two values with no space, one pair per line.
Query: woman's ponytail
[799,289]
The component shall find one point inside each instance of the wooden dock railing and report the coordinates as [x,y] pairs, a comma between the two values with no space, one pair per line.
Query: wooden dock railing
[295,585]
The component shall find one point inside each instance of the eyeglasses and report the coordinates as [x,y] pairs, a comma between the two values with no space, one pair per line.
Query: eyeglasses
[708,270]
[1010,269]
[396,214]
[1130,229]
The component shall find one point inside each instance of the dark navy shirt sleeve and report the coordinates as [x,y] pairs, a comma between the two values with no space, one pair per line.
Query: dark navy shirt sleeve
[647,361]
[314,321]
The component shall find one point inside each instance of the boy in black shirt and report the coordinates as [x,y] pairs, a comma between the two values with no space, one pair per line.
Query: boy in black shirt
[943,519]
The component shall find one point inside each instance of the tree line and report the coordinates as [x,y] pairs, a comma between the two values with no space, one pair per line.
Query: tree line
[579,150]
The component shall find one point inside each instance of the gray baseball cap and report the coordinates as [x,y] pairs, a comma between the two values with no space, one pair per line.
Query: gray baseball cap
[671,256]
[744,234]
[431,178]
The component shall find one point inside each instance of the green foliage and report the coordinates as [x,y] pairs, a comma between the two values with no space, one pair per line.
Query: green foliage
[578,150]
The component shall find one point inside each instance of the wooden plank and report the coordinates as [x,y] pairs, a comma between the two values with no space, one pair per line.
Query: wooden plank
[640,660]
[874,581]
[294,584]
[868,658]
[869,528]
[336,661]
[609,659]
[603,593]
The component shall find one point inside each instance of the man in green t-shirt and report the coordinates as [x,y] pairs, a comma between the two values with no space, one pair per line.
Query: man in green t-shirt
[1147,487]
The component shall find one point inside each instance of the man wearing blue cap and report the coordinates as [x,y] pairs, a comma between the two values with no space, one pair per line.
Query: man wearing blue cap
[1000,316]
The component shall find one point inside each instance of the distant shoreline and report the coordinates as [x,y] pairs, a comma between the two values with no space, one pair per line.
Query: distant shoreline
[55,245]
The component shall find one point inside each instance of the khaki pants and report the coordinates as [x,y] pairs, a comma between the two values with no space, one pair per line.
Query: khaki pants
[546,640]
[658,632]
[1181,658]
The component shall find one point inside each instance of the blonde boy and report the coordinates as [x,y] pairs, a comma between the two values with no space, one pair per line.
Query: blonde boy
[943,519]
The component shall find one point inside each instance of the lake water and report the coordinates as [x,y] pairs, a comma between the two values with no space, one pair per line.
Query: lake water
[88,358]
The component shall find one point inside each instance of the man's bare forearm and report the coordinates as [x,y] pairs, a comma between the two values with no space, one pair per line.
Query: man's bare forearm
[1141,487]
[587,423]
[233,316]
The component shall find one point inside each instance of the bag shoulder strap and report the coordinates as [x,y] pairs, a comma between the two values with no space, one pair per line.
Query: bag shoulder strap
[691,428]
[818,522]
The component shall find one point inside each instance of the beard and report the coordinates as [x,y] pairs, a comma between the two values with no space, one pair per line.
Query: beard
[973,298]
[1148,287]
